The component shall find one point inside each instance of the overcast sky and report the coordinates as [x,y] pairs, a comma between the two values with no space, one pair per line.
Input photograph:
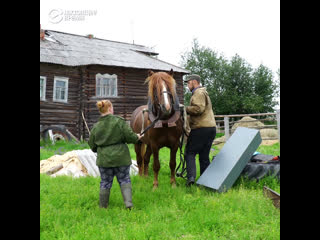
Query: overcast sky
[250,28]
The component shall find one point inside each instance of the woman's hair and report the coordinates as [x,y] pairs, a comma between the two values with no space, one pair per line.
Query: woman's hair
[104,106]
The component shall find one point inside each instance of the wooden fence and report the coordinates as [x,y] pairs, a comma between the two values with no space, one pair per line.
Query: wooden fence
[226,122]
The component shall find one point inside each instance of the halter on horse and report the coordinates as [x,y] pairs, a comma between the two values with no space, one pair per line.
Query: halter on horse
[166,124]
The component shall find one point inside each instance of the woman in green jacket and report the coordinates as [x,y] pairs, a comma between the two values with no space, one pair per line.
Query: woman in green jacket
[108,139]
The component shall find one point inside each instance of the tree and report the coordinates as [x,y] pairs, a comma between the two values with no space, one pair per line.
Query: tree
[233,86]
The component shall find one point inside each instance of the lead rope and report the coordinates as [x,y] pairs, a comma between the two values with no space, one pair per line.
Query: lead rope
[182,163]
[151,125]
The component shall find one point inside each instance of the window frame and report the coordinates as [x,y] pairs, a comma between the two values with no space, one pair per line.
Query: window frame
[62,79]
[113,77]
[43,98]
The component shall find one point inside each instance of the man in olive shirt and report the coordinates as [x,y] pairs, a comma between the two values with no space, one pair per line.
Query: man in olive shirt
[203,128]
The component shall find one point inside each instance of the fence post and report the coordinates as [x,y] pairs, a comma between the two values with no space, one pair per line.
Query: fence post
[226,128]
[278,123]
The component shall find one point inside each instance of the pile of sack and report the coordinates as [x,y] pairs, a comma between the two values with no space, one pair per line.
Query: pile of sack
[76,163]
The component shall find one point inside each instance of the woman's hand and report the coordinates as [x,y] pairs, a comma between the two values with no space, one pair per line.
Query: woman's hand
[140,136]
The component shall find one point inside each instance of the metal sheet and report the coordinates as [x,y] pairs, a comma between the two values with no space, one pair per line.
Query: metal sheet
[231,160]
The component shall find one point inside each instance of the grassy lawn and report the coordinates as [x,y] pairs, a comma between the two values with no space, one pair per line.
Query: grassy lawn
[69,207]
[47,150]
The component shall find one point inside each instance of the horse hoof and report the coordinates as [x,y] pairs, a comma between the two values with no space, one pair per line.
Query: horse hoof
[155,187]
[173,185]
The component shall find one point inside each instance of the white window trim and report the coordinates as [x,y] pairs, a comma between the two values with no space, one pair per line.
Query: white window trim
[114,76]
[44,88]
[64,79]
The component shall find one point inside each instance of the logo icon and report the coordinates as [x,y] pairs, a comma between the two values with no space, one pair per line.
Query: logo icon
[56,16]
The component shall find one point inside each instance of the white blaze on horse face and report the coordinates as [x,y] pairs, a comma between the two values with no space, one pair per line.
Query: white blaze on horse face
[165,97]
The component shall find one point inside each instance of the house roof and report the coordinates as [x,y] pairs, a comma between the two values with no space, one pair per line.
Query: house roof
[74,50]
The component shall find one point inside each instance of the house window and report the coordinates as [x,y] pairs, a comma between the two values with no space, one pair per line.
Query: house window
[43,81]
[60,89]
[106,85]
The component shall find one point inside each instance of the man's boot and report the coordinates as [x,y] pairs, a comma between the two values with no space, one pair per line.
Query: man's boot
[126,191]
[190,181]
[104,198]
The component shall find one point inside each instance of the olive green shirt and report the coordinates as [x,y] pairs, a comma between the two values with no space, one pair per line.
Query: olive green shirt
[200,110]
[108,138]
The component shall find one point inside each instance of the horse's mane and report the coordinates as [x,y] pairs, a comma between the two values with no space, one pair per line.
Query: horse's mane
[155,82]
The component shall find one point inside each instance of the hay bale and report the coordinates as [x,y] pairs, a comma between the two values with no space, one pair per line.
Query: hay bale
[268,133]
[247,122]
[269,142]
[219,140]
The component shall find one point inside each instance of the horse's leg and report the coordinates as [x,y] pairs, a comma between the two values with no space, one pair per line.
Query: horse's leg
[156,165]
[137,148]
[173,152]
[147,160]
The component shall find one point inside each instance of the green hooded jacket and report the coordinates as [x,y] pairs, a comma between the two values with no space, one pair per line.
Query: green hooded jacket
[108,139]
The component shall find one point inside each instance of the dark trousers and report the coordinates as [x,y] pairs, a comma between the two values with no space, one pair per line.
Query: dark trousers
[199,142]
[107,174]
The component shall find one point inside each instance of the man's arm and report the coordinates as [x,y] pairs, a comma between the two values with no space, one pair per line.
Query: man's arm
[198,105]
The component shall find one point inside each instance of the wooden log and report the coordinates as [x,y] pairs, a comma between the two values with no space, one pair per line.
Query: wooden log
[72,136]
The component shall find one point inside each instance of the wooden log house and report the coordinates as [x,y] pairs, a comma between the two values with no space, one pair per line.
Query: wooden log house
[76,71]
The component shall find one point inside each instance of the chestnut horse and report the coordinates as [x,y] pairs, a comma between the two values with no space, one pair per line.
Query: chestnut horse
[164,105]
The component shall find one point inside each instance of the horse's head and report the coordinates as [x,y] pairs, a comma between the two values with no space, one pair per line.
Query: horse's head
[162,90]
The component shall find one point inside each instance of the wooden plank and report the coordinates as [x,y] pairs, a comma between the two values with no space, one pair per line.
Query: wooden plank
[226,128]
[246,115]
[273,195]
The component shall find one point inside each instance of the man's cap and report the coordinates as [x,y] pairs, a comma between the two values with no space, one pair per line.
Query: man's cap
[192,77]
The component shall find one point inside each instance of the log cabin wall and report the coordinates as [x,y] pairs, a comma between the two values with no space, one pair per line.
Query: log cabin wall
[58,113]
[132,93]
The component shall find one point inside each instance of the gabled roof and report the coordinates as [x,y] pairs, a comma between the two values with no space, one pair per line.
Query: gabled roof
[74,50]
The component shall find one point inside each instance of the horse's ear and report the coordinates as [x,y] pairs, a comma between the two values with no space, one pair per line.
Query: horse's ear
[171,72]
[150,73]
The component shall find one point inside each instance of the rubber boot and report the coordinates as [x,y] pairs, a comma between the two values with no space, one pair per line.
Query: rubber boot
[104,198]
[126,191]
[190,181]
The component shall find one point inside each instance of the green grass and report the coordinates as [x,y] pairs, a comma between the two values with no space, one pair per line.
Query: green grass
[69,208]
[270,150]
[47,149]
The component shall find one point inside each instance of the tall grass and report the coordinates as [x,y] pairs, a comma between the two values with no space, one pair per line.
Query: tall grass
[69,208]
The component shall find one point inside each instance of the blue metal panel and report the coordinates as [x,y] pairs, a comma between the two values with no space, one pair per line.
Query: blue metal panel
[231,160]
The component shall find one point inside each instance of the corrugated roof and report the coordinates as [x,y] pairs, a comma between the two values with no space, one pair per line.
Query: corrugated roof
[74,50]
